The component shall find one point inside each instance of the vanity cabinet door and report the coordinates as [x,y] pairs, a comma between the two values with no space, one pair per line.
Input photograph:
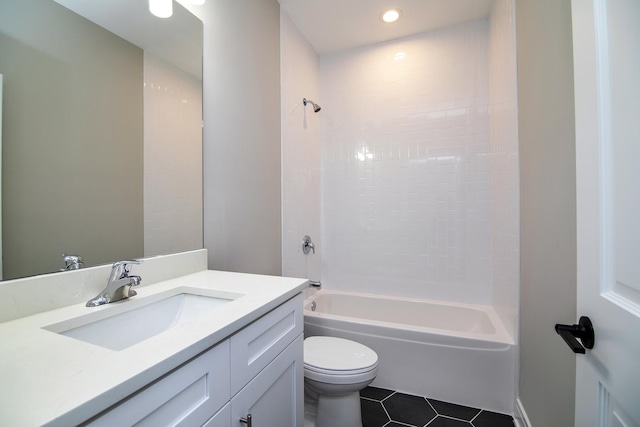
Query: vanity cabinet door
[188,396]
[255,346]
[275,396]
[221,419]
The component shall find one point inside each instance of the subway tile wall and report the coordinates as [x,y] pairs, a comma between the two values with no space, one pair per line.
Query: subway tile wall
[172,159]
[301,209]
[406,159]
[419,164]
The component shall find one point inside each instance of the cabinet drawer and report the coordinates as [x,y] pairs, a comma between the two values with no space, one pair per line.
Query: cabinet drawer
[185,397]
[256,345]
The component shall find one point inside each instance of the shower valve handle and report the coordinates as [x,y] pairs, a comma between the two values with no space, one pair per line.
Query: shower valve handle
[307,245]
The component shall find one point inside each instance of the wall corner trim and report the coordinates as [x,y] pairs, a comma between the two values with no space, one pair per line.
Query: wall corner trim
[520,417]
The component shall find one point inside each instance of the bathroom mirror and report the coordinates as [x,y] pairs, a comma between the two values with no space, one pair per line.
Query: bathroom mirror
[102,132]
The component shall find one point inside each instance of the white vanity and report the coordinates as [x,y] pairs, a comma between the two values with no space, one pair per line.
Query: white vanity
[241,357]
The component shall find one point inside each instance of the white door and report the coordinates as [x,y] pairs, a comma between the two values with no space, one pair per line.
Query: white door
[606,38]
[1,177]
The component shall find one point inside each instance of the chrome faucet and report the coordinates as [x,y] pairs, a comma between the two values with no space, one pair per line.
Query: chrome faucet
[119,284]
[72,262]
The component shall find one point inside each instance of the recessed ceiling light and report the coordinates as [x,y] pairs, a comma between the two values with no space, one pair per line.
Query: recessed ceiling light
[391,15]
[161,8]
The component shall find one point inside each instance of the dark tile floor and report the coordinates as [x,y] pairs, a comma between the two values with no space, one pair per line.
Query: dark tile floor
[387,408]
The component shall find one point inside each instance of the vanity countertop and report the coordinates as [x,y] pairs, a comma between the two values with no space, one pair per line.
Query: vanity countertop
[50,379]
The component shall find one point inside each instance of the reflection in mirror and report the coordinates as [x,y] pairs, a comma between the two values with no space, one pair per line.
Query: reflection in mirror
[85,168]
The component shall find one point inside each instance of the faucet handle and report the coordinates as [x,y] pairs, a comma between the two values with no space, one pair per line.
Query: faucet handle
[72,262]
[130,261]
[123,267]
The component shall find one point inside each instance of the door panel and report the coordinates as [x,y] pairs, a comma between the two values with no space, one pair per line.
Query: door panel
[606,70]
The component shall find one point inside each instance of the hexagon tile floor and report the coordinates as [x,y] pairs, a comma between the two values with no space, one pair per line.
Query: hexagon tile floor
[387,408]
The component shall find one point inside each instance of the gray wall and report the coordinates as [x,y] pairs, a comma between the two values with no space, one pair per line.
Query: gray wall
[548,209]
[242,206]
[72,140]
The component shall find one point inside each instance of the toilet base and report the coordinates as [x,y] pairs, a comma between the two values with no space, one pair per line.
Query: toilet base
[343,411]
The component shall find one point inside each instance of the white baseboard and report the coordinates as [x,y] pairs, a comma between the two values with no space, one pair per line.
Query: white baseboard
[520,417]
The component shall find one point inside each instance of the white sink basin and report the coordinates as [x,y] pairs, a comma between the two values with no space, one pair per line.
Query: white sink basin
[141,322]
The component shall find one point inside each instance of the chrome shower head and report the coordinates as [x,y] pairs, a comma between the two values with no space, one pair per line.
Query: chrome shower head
[316,107]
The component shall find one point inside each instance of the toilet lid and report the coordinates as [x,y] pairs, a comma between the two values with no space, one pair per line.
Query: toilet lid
[337,354]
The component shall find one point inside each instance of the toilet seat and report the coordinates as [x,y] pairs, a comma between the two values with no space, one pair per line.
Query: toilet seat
[337,357]
[334,372]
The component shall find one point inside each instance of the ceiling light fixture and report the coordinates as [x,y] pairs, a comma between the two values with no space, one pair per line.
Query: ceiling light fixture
[391,15]
[164,8]
[161,8]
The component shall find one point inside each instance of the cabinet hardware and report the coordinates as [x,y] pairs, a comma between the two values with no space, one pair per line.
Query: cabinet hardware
[247,420]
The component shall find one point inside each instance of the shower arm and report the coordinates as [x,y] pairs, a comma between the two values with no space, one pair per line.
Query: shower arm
[316,107]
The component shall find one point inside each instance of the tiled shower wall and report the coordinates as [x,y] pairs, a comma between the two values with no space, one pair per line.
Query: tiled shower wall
[419,164]
[300,153]
[504,164]
[406,167]
[172,159]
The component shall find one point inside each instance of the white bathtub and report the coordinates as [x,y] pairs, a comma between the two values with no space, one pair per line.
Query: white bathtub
[457,353]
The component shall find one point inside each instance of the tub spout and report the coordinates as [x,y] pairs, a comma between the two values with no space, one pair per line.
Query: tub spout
[315,284]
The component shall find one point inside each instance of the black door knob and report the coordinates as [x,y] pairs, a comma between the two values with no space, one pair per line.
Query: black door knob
[582,331]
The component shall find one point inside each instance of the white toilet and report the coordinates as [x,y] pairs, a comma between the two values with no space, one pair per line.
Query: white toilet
[335,370]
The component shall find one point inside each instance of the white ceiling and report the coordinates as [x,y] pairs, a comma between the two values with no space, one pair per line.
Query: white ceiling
[177,40]
[335,25]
